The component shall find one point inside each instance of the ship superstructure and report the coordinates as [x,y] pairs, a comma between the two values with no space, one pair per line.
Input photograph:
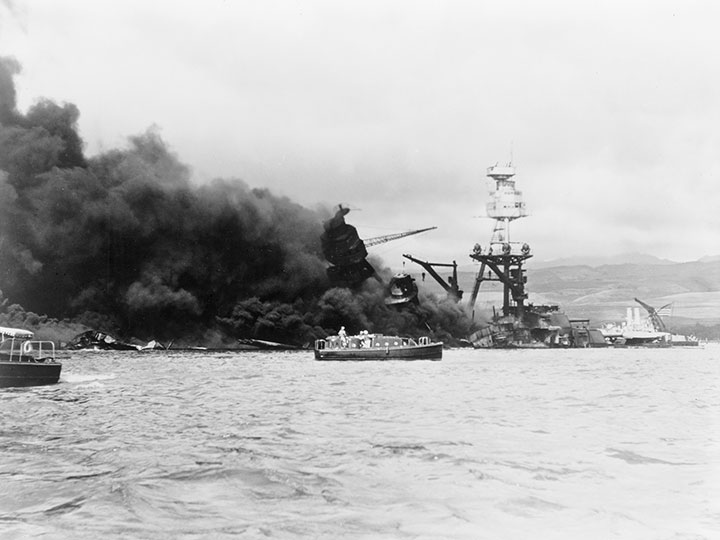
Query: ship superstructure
[503,258]
[347,252]
[520,324]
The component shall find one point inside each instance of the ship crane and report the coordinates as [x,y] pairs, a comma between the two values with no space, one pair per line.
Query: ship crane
[374,241]
[657,322]
[451,285]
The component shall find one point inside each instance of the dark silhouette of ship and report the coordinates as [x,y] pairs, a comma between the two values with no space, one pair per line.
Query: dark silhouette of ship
[347,253]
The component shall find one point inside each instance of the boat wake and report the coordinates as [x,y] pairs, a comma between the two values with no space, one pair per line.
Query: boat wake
[79,378]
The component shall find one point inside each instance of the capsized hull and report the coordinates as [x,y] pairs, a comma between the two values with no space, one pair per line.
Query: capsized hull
[29,373]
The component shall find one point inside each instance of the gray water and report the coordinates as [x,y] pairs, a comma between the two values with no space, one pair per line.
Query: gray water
[590,444]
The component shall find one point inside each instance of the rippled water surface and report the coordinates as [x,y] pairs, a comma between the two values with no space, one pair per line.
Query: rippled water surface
[590,444]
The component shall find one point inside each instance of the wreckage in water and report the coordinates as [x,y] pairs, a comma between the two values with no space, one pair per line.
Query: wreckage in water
[100,341]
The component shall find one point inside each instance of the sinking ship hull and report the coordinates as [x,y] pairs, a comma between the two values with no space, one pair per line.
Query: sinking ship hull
[541,327]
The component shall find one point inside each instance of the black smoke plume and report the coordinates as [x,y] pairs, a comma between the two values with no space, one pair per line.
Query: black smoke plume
[123,242]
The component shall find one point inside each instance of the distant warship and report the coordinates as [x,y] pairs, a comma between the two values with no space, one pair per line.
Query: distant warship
[651,331]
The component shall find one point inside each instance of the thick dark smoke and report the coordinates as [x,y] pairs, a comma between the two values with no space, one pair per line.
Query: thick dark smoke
[124,242]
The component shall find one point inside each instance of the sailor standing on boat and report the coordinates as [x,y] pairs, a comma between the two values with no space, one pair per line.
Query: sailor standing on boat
[343,337]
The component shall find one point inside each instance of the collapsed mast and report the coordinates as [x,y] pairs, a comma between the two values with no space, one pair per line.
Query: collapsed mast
[503,258]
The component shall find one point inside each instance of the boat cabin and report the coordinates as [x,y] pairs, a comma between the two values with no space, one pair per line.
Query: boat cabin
[18,345]
[369,341]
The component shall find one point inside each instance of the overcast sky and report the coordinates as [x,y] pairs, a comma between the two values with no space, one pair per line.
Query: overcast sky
[610,110]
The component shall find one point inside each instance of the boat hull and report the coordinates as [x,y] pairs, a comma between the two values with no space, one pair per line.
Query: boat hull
[29,373]
[432,351]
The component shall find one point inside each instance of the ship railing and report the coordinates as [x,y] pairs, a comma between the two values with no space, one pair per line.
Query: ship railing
[503,248]
[30,350]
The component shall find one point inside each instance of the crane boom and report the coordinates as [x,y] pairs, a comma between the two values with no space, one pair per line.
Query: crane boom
[450,286]
[657,322]
[389,237]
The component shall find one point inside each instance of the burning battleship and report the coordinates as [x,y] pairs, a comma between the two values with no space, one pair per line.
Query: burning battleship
[347,255]
[519,324]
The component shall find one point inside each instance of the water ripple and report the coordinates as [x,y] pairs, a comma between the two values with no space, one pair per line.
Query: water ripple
[485,444]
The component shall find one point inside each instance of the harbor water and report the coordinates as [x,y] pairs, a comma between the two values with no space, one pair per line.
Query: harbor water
[548,444]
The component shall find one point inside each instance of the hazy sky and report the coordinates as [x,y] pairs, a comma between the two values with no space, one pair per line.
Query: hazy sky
[610,111]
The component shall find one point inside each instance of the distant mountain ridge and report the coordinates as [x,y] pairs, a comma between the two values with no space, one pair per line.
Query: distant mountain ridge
[710,258]
[604,292]
[623,258]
